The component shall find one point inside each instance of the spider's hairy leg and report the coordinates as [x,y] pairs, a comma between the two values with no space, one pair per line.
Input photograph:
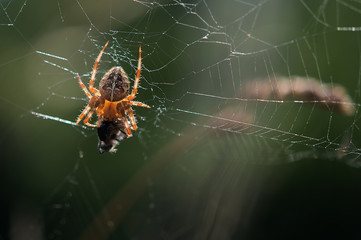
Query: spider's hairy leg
[100,119]
[127,127]
[132,119]
[126,124]
[121,114]
[86,109]
[136,80]
[90,114]
[139,104]
[83,114]
[83,87]
[91,82]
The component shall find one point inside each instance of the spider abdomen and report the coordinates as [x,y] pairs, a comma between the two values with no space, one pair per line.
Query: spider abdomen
[110,134]
[114,85]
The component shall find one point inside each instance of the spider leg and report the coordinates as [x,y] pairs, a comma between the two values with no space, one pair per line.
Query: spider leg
[99,121]
[90,114]
[91,82]
[121,114]
[136,80]
[132,119]
[86,109]
[83,87]
[100,110]
[83,114]
[139,104]
[126,125]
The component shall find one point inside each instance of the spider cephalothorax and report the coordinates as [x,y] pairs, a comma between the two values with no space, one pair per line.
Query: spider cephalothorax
[112,103]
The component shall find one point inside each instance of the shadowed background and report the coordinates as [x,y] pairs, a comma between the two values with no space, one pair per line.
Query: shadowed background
[206,162]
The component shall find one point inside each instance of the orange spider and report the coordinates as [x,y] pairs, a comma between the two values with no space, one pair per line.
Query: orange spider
[112,104]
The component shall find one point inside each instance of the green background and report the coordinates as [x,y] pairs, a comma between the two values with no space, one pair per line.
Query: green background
[178,177]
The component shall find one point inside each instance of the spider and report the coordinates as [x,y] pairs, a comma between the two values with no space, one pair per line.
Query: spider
[112,104]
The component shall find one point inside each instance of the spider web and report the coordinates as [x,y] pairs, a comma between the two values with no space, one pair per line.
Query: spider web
[233,86]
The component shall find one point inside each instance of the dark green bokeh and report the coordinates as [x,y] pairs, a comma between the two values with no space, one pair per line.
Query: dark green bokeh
[191,181]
